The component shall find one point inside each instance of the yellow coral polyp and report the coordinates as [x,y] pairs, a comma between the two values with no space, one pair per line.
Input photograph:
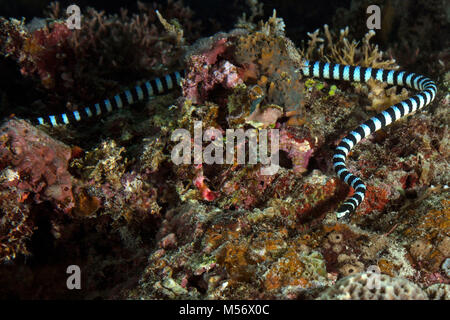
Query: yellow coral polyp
[262,81]
[31,46]
[309,83]
[266,56]
[287,271]
[332,91]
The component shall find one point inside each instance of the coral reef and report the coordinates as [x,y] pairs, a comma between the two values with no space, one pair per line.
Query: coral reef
[438,292]
[35,164]
[39,52]
[204,253]
[341,50]
[34,169]
[107,195]
[129,47]
[359,287]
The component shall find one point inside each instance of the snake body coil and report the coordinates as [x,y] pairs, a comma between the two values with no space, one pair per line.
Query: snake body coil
[382,119]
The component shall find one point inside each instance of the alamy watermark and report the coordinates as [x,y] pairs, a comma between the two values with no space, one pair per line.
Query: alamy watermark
[74,280]
[74,19]
[374,277]
[374,20]
[213,153]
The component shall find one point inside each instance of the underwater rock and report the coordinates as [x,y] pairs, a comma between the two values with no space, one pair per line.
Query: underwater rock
[40,163]
[362,287]
[34,169]
[208,72]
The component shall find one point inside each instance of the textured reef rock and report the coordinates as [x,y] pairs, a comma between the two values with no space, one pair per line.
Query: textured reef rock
[34,168]
[224,231]
[265,60]
[204,253]
[363,287]
[34,162]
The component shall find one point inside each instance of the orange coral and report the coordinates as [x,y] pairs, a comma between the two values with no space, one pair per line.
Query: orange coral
[237,261]
[287,270]
[86,205]
[273,60]
[386,267]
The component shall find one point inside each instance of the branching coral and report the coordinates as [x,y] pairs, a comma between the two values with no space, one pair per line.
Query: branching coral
[339,49]
[383,98]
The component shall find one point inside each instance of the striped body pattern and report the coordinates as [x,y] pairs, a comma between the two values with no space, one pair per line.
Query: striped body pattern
[382,119]
[310,69]
[138,93]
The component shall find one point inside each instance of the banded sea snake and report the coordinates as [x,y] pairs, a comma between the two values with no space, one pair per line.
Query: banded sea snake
[310,69]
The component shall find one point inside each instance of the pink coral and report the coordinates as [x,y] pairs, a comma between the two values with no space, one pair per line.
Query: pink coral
[39,163]
[43,53]
[208,71]
[298,150]
[205,191]
[219,48]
